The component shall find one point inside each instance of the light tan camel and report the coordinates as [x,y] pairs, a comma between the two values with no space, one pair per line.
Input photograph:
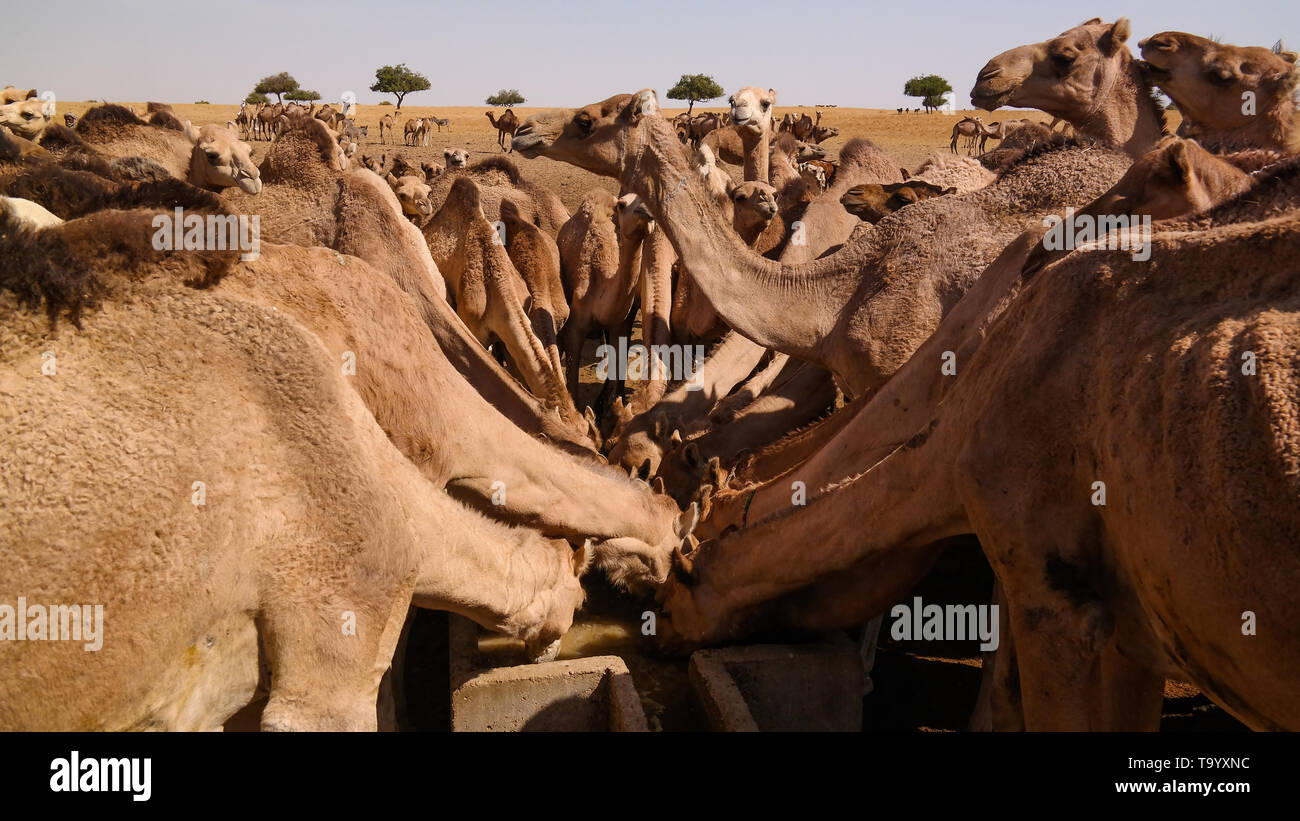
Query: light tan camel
[303,564]
[505,125]
[9,94]
[536,257]
[388,123]
[309,199]
[488,290]
[499,178]
[751,117]
[969,129]
[413,194]
[1230,97]
[27,118]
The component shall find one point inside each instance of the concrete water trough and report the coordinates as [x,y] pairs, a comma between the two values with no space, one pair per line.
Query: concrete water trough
[492,692]
[781,687]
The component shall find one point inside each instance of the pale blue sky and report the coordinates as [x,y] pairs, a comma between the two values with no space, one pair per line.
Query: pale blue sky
[812,51]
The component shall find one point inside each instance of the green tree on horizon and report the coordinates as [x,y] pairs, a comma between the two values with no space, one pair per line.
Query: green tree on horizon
[506,97]
[695,87]
[277,84]
[399,81]
[930,87]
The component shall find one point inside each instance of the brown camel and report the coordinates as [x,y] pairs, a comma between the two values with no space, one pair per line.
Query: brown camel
[873,202]
[499,178]
[1085,76]
[388,123]
[1230,97]
[1105,600]
[506,125]
[245,563]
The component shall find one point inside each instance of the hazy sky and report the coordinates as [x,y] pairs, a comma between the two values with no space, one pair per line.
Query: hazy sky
[570,52]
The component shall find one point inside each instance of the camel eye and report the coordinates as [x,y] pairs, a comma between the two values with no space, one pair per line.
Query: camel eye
[766,105]
[583,121]
[213,156]
[1062,60]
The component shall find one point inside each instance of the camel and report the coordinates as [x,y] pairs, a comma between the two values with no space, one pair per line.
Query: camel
[269,119]
[311,198]
[963,173]
[825,223]
[1212,82]
[1087,77]
[21,211]
[536,257]
[9,94]
[489,292]
[873,202]
[387,122]
[505,125]
[751,117]
[969,129]
[997,131]
[413,194]
[27,118]
[601,282]
[499,178]
[455,157]
[331,527]
[1105,600]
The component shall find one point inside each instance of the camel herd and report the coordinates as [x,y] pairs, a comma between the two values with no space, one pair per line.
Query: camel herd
[258,462]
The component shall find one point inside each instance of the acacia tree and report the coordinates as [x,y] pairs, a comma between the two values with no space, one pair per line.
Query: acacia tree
[277,84]
[695,87]
[257,98]
[399,81]
[930,87]
[302,95]
[506,96]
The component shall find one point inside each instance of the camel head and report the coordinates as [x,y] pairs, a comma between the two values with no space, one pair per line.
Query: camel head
[751,110]
[755,201]
[633,217]
[875,201]
[27,118]
[1068,77]
[413,193]
[455,157]
[220,159]
[597,137]
[1209,81]
[639,566]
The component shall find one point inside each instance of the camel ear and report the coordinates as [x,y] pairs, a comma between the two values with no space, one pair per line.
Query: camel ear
[772,92]
[1179,163]
[688,520]
[192,133]
[906,175]
[658,485]
[1114,39]
[676,437]
[391,180]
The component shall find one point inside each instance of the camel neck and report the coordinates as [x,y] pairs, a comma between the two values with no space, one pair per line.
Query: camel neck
[1127,115]
[756,156]
[788,307]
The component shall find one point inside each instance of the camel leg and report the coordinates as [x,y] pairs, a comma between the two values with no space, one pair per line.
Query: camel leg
[575,334]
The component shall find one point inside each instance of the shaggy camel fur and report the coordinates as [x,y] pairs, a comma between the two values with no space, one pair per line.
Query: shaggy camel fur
[224,565]
[1105,600]
[1209,82]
